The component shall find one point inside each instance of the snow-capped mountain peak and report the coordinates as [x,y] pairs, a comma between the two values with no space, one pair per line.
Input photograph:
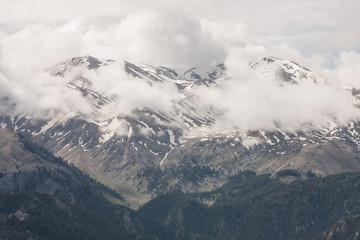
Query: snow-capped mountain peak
[88,61]
[285,71]
[187,130]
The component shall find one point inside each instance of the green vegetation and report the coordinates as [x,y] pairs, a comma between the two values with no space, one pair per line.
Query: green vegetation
[58,201]
[158,180]
[261,207]
[33,215]
[346,228]
[288,173]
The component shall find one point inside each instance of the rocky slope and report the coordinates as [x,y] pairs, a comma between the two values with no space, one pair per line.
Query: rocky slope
[347,228]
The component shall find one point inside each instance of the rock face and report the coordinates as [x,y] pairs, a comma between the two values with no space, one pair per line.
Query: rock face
[147,152]
[346,228]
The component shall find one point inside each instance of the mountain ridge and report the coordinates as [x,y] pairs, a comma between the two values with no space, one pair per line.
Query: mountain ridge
[43,197]
[145,147]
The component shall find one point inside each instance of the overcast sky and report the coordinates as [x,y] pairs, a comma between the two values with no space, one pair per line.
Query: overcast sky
[155,31]
[322,35]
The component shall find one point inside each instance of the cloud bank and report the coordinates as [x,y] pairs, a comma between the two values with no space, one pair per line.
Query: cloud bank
[185,38]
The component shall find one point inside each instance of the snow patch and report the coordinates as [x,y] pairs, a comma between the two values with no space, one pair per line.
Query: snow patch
[130,132]
[146,130]
[248,142]
[48,125]
[171,137]
[105,137]
[155,153]
[286,137]
[166,154]
[263,134]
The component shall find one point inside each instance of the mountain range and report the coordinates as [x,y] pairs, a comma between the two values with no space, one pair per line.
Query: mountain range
[136,151]
[145,150]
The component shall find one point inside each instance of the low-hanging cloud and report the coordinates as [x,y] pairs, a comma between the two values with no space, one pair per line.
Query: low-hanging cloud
[127,92]
[259,103]
[247,100]
[347,69]
[41,95]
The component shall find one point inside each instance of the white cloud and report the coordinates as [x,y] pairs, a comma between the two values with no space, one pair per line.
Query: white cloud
[183,34]
[347,69]
[308,25]
[259,103]
[128,93]
[117,126]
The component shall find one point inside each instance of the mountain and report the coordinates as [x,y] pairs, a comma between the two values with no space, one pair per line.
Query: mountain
[346,228]
[251,206]
[283,70]
[147,152]
[43,197]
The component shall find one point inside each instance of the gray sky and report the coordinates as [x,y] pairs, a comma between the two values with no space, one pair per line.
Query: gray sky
[127,27]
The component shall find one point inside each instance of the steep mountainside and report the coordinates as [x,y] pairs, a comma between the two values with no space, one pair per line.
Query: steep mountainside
[146,152]
[252,206]
[347,228]
[43,197]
